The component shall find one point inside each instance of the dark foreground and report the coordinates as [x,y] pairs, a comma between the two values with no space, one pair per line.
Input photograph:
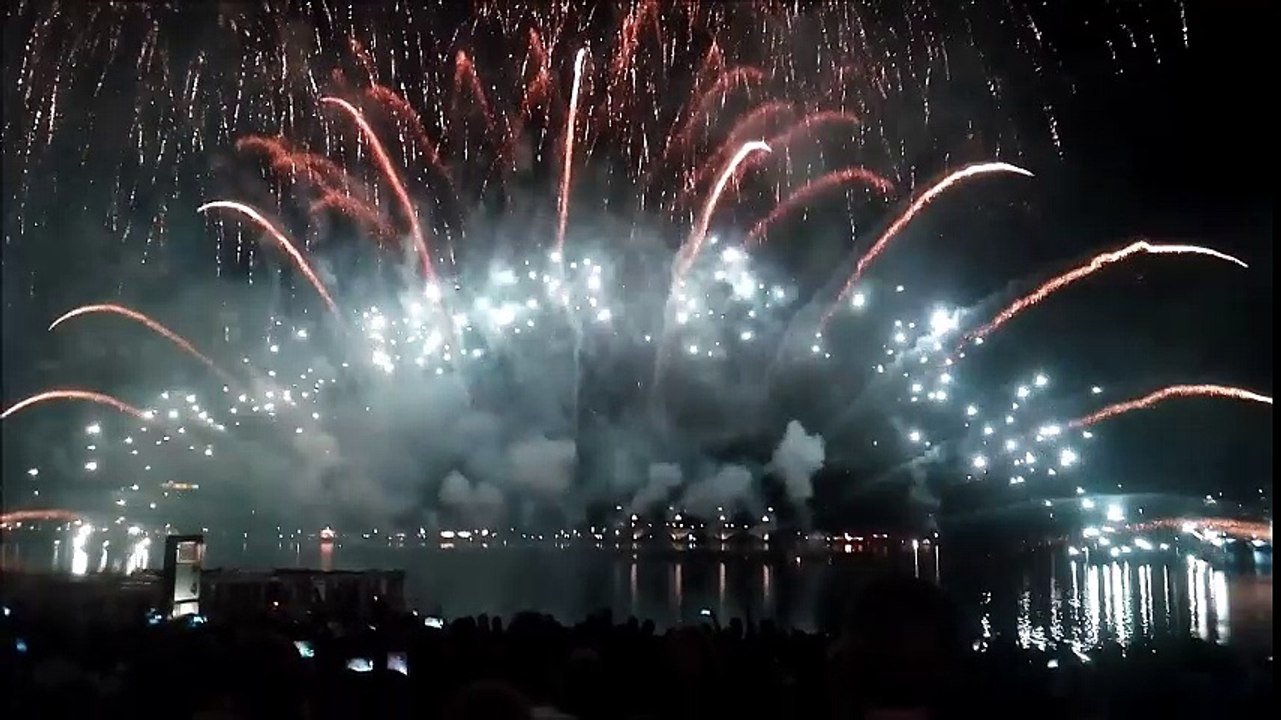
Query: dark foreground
[904,653]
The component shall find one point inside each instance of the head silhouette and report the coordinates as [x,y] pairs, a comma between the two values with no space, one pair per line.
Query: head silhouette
[902,642]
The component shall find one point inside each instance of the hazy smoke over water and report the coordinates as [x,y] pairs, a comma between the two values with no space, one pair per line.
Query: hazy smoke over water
[481,503]
[543,467]
[730,488]
[798,456]
[663,478]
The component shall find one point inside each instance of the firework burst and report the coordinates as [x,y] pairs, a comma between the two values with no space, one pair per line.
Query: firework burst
[520,351]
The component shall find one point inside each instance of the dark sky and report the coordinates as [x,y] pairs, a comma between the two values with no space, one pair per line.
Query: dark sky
[1182,152]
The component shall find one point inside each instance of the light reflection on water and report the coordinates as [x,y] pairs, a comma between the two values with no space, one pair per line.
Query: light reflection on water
[1127,602]
[1045,601]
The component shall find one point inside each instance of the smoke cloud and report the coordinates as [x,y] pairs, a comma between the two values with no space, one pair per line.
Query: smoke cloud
[798,456]
[481,503]
[543,467]
[663,478]
[730,488]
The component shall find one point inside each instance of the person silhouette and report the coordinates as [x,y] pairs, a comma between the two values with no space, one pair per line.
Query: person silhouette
[900,654]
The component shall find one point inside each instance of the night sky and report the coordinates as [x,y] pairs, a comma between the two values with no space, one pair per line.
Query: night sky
[1174,150]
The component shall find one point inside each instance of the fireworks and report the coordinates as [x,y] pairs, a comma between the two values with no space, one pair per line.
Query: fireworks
[521,356]
[150,323]
[1094,265]
[1163,394]
[96,397]
[692,246]
[389,170]
[279,237]
[920,203]
[562,202]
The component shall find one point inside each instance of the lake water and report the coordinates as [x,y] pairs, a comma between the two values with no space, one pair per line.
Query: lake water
[1041,598]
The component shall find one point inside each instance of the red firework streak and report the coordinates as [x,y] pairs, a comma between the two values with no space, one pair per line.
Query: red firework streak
[1173,391]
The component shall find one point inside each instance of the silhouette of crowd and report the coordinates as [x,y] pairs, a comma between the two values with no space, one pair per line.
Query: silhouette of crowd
[903,654]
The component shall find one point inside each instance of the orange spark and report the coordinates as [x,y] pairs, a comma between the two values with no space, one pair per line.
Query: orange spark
[727,82]
[808,124]
[748,124]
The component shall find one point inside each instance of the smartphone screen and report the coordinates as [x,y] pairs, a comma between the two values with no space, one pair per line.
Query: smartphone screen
[360,665]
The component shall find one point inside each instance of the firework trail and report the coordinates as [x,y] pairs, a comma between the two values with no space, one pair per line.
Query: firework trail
[629,35]
[465,72]
[747,125]
[919,204]
[688,253]
[812,123]
[318,169]
[562,202]
[405,112]
[805,128]
[356,210]
[393,177]
[728,81]
[152,325]
[299,261]
[1095,264]
[87,395]
[817,187]
[40,515]
[539,88]
[694,243]
[1153,398]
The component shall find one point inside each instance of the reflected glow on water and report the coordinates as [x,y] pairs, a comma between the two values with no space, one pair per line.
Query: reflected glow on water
[1042,601]
[80,556]
[1126,602]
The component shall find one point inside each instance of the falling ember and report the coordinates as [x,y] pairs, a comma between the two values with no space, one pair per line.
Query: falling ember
[689,251]
[299,261]
[58,514]
[1095,264]
[1147,401]
[151,324]
[562,202]
[393,177]
[87,395]
[919,204]
[816,187]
